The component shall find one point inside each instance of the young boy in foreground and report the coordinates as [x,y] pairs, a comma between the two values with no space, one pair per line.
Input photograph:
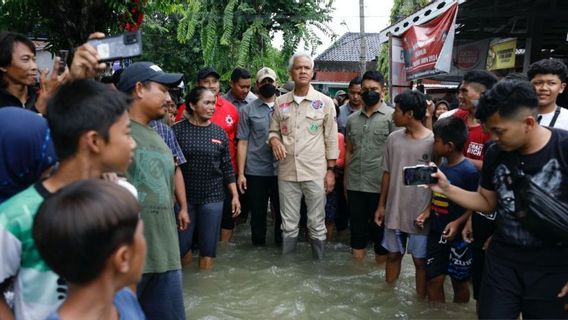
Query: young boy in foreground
[102,219]
[448,254]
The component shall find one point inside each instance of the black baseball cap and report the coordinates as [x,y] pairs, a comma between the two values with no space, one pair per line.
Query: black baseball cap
[146,71]
[206,72]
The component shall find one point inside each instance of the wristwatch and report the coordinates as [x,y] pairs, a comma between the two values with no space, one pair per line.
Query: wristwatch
[331,169]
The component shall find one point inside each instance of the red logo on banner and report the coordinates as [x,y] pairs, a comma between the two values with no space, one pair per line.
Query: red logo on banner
[427,48]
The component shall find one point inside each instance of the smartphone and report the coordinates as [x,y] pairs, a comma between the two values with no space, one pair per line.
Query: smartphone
[126,45]
[63,56]
[419,175]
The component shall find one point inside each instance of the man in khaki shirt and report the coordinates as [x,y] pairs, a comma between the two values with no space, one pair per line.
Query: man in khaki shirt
[303,136]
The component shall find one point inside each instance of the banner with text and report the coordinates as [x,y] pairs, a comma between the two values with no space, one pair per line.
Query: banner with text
[501,54]
[428,47]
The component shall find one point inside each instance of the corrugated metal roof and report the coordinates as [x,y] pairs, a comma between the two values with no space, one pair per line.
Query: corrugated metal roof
[347,48]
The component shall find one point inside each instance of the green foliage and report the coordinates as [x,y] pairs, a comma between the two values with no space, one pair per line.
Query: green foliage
[161,46]
[183,35]
[233,32]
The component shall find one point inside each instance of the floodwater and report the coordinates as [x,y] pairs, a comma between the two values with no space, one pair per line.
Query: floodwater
[258,283]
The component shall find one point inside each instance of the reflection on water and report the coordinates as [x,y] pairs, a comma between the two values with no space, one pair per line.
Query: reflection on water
[258,283]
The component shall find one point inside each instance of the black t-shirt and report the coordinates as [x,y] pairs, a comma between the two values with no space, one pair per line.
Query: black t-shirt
[208,168]
[8,100]
[548,168]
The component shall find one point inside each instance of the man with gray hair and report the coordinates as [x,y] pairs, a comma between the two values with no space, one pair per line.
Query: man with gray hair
[303,137]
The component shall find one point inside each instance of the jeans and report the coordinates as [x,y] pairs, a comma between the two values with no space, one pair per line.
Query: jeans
[259,190]
[161,296]
[207,219]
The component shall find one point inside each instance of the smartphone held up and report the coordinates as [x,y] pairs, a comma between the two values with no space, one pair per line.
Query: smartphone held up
[126,45]
[419,175]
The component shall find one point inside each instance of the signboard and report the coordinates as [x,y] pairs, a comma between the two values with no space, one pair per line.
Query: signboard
[428,47]
[397,77]
[501,54]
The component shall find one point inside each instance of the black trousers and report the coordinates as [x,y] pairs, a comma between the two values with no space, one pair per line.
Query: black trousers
[508,289]
[259,190]
[362,206]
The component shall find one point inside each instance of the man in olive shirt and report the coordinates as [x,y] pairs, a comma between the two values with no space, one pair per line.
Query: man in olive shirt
[303,136]
[367,131]
[152,173]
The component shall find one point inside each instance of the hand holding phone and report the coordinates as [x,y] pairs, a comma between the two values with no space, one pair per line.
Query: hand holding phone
[126,45]
[419,175]
[63,56]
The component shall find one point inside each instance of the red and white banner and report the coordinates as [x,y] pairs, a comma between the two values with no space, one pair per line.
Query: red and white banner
[427,48]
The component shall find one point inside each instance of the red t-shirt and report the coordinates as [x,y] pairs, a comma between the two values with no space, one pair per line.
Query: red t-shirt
[227,117]
[476,138]
[180,110]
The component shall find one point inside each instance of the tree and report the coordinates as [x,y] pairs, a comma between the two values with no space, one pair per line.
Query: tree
[160,46]
[67,23]
[400,10]
[239,32]
[225,33]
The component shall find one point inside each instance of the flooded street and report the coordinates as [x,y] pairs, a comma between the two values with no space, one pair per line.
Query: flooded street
[258,283]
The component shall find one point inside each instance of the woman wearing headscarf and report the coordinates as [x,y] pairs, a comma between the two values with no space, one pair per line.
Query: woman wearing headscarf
[26,150]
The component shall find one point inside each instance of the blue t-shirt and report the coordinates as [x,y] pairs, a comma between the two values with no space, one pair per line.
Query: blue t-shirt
[126,304]
[463,175]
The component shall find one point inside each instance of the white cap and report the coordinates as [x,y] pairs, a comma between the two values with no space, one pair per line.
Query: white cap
[265,73]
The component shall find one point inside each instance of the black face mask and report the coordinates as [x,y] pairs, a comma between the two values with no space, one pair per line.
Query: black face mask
[370,98]
[267,90]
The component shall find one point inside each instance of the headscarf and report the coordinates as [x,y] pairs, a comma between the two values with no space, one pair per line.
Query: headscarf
[26,150]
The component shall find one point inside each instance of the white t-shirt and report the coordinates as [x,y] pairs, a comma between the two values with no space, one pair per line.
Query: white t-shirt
[561,121]
[299,99]
[448,113]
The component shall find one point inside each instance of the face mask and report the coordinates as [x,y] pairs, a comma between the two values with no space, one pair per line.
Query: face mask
[370,98]
[267,90]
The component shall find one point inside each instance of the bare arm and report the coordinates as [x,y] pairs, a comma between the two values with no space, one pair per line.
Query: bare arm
[453,227]
[242,148]
[235,203]
[5,311]
[179,191]
[329,180]
[380,212]
[482,200]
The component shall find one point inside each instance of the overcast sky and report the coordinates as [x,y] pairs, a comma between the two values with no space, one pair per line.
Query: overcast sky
[346,19]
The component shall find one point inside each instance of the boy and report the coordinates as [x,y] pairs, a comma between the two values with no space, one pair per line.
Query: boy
[405,209]
[522,274]
[101,218]
[91,135]
[548,76]
[446,253]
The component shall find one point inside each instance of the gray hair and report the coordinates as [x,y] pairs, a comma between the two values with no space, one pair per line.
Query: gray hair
[299,55]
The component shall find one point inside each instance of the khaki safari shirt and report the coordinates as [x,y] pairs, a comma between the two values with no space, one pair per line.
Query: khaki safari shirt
[309,134]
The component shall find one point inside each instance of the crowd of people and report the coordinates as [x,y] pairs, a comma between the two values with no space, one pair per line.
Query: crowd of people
[108,188]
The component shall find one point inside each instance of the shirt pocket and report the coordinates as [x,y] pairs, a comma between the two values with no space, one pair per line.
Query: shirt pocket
[259,124]
[315,122]
[381,134]
[284,124]
[354,135]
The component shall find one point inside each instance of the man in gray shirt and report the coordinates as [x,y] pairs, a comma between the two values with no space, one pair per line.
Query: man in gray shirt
[367,132]
[257,168]
[354,104]
[240,94]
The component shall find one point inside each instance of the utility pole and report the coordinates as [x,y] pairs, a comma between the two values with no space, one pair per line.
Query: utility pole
[362,39]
